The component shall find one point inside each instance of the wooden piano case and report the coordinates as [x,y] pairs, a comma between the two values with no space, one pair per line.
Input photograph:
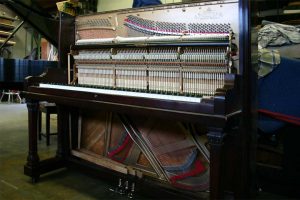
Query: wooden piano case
[202,149]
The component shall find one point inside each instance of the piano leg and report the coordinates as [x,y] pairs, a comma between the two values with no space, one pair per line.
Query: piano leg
[31,168]
[34,167]
[63,143]
[40,125]
[215,139]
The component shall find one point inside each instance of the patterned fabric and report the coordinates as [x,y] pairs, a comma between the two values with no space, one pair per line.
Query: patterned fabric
[274,34]
[140,3]
[268,61]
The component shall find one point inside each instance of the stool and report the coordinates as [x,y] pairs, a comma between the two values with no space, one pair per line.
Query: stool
[10,96]
[48,109]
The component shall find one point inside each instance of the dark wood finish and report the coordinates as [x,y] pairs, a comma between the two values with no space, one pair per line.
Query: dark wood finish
[202,113]
[53,75]
[206,106]
[31,168]
[205,114]
[230,110]
[34,167]
[48,109]
[74,115]
[247,127]
[66,37]
[63,147]
[216,142]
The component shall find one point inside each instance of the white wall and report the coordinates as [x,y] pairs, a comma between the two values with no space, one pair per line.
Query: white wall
[106,5]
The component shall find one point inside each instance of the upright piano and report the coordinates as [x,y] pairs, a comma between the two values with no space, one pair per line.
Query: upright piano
[161,95]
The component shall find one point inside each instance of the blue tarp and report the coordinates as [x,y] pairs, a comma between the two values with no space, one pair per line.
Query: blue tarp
[279,92]
[140,3]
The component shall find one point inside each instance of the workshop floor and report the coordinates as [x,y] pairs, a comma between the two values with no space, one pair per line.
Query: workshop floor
[63,184]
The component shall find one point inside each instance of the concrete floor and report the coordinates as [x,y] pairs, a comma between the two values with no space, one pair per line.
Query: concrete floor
[63,184]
